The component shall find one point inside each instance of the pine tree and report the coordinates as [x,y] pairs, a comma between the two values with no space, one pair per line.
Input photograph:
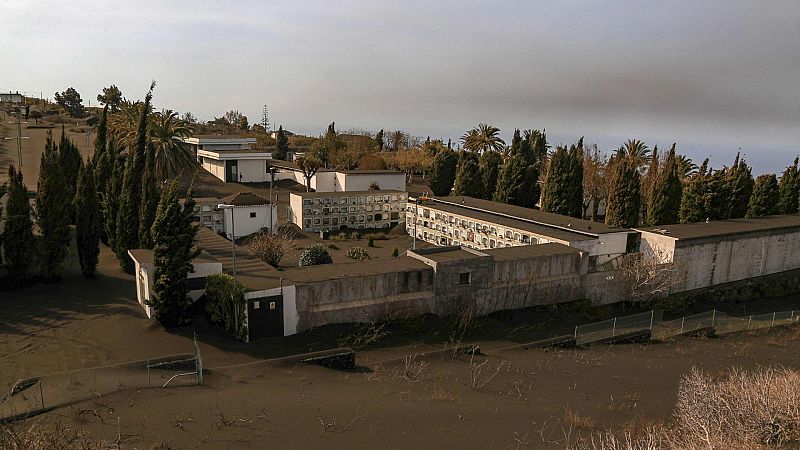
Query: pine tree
[490,169]
[789,189]
[692,207]
[443,172]
[87,222]
[739,186]
[469,180]
[665,195]
[174,236]
[71,162]
[127,236]
[149,200]
[52,211]
[17,239]
[764,201]
[281,145]
[624,193]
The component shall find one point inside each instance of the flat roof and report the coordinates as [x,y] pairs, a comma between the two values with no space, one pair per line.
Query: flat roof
[142,255]
[449,253]
[253,273]
[346,193]
[224,151]
[371,172]
[699,230]
[506,221]
[221,137]
[336,271]
[536,215]
[529,251]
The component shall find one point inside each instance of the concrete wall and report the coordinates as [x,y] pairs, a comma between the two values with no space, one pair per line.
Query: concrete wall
[324,182]
[246,225]
[145,278]
[216,168]
[253,170]
[705,262]
[361,182]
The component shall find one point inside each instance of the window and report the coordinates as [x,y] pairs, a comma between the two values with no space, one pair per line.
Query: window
[464,278]
[307,201]
[252,214]
[316,221]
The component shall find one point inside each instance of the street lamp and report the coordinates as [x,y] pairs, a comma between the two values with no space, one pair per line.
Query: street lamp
[272,171]
[233,234]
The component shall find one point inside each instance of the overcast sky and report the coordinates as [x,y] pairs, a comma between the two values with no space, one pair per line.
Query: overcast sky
[711,75]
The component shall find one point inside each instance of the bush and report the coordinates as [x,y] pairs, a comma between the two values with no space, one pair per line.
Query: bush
[333,246]
[370,242]
[341,237]
[396,252]
[315,255]
[271,248]
[354,235]
[357,253]
[223,293]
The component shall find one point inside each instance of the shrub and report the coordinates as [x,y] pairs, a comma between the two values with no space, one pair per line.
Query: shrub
[396,252]
[271,248]
[315,255]
[341,237]
[223,293]
[355,235]
[357,253]
[333,246]
[370,242]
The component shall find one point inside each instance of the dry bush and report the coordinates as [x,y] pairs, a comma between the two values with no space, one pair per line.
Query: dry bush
[648,275]
[651,439]
[742,408]
[46,437]
[571,417]
[483,373]
[412,369]
[271,247]
[363,334]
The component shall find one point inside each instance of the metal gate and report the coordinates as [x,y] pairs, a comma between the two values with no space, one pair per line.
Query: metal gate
[265,316]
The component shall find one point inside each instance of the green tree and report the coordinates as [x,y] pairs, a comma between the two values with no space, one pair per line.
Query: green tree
[109,201]
[71,101]
[490,163]
[309,166]
[87,221]
[71,163]
[535,146]
[127,236]
[443,172]
[624,192]
[52,211]
[764,201]
[665,195]
[379,140]
[149,200]
[692,207]
[36,115]
[511,181]
[281,145]
[111,97]
[468,180]
[483,138]
[739,186]
[17,238]
[171,154]
[226,305]
[563,187]
[174,236]
[789,189]
[315,255]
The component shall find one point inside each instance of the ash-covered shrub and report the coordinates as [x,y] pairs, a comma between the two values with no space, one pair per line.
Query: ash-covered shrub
[315,255]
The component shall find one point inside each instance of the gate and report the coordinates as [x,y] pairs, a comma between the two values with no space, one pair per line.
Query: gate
[265,316]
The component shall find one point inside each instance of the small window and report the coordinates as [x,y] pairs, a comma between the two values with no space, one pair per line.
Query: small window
[464,278]
[252,214]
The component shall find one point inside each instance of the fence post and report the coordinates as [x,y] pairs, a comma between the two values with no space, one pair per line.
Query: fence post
[773,320]
[652,314]
[713,317]
[148,374]
[614,330]
[683,319]
[41,392]
[748,322]
[576,332]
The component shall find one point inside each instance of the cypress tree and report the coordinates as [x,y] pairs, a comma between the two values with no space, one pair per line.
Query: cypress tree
[468,181]
[17,239]
[739,187]
[127,236]
[490,169]
[110,200]
[764,201]
[665,195]
[71,163]
[100,140]
[536,147]
[149,200]
[692,207]
[174,237]
[516,184]
[624,193]
[281,145]
[87,221]
[563,187]
[789,190]
[516,145]
[52,211]
[443,172]
[379,140]
[718,195]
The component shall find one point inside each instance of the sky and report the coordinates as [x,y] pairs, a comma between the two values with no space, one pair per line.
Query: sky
[712,76]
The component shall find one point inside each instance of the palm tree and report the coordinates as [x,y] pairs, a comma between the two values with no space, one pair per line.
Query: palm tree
[686,168]
[483,138]
[124,124]
[637,152]
[172,155]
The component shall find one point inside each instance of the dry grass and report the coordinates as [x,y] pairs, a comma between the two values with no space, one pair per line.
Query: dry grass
[574,419]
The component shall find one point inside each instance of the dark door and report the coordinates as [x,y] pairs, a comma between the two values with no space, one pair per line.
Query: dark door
[233,171]
[265,316]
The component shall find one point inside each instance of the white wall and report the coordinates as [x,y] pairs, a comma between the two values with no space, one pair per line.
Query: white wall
[144,282]
[246,225]
[324,182]
[296,210]
[216,168]
[386,181]
[253,170]
[290,316]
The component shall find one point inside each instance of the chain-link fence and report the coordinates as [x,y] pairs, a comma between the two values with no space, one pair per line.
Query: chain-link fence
[617,328]
[717,322]
[31,396]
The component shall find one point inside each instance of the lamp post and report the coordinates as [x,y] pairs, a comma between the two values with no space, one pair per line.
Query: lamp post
[233,234]
[271,180]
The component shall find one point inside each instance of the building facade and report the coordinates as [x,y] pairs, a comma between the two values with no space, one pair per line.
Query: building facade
[231,158]
[331,211]
[247,213]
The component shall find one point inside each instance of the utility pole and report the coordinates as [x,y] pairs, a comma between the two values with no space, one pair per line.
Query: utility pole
[19,137]
[265,119]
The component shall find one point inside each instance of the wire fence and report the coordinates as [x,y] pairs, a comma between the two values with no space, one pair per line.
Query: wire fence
[651,322]
[31,396]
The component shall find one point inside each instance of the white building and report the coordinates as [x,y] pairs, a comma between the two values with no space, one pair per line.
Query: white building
[144,267]
[231,158]
[250,213]
[331,211]
[483,224]
[329,180]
